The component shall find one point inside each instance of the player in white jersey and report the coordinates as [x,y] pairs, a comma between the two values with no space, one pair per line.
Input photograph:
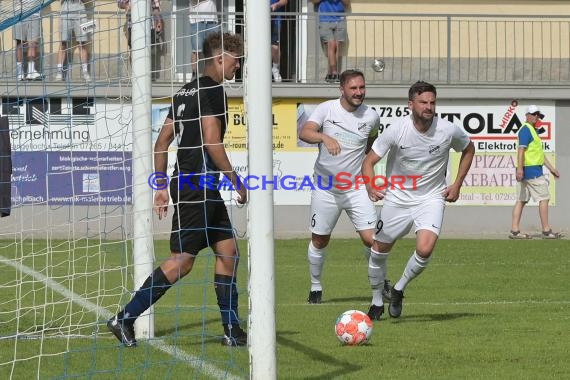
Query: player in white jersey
[417,149]
[344,128]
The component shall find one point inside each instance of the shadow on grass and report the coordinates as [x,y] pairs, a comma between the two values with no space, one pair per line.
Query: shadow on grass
[187,326]
[348,299]
[338,368]
[433,317]
[193,330]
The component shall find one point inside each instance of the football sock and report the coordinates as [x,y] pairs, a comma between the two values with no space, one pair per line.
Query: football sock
[226,292]
[316,261]
[377,274]
[416,264]
[151,290]
[31,66]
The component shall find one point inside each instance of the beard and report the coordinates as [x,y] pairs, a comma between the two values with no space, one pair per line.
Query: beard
[424,117]
[355,102]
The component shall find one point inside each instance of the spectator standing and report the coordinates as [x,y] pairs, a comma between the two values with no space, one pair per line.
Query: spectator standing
[276,6]
[73,14]
[203,21]
[156,37]
[530,177]
[332,32]
[157,22]
[27,34]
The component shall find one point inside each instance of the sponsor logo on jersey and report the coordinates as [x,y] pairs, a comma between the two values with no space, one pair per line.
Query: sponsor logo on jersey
[433,149]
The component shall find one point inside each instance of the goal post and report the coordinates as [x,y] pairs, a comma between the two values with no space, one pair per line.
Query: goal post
[82,233]
[143,240]
[258,106]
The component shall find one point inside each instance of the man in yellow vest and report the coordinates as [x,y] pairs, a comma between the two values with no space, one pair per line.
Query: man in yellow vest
[530,177]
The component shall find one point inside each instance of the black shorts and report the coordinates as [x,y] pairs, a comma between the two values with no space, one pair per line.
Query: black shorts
[200,219]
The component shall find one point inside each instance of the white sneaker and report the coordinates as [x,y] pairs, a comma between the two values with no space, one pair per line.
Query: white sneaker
[34,75]
[59,76]
[276,75]
[86,76]
[19,73]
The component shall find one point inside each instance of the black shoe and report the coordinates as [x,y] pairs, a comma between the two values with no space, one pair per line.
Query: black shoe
[335,78]
[329,78]
[234,336]
[395,308]
[375,312]
[315,296]
[386,291]
[123,330]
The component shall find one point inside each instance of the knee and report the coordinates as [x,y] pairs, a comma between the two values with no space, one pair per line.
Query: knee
[228,260]
[424,250]
[319,241]
[379,246]
[185,264]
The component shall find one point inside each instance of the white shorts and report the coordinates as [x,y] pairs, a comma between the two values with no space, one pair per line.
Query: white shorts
[326,207]
[396,221]
[535,187]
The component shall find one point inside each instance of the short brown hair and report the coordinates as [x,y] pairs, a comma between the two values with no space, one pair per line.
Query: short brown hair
[347,75]
[232,43]
[419,88]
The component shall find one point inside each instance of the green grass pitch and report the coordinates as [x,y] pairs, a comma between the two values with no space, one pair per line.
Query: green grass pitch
[483,309]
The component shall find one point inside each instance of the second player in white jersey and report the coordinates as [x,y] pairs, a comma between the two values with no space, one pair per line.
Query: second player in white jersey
[417,162]
[417,150]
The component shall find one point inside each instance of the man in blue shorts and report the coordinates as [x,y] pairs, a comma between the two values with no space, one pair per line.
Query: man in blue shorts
[276,6]
[203,21]
[332,31]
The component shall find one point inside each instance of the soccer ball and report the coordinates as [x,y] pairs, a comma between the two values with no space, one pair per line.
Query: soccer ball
[353,327]
[378,65]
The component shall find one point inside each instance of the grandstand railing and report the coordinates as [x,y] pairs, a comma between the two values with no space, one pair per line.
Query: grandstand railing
[450,49]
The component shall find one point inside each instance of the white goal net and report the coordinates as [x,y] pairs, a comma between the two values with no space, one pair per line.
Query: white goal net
[67,237]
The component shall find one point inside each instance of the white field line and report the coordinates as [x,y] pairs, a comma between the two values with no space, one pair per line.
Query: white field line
[480,303]
[193,361]
[466,303]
